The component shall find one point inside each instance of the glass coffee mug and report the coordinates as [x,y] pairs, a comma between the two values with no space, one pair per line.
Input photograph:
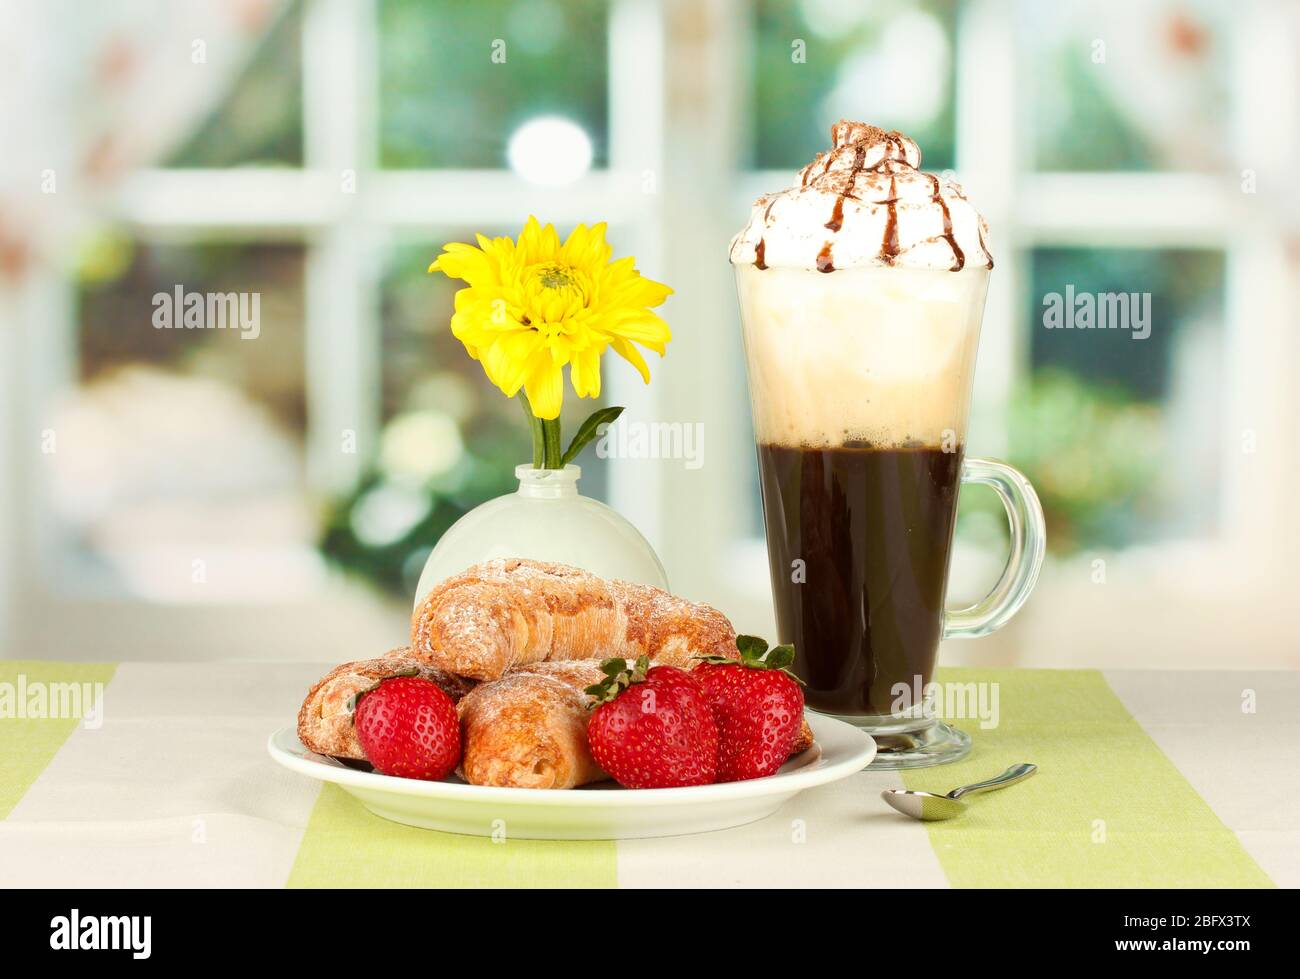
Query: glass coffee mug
[860,383]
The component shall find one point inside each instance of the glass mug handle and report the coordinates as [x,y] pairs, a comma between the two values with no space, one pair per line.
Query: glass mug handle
[1028,544]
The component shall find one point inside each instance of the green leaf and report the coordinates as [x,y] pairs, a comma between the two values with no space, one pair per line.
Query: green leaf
[751,647]
[779,657]
[588,431]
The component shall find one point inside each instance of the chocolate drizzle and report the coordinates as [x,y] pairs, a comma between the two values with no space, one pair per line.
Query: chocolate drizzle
[889,246]
[837,215]
[824,263]
[837,212]
[758,255]
[958,256]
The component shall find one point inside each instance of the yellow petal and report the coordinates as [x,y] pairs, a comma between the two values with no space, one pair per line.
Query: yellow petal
[639,325]
[586,247]
[537,243]
[545,389]
[632,356]
[523,349]
[500,369]
[584,372]
[461,261]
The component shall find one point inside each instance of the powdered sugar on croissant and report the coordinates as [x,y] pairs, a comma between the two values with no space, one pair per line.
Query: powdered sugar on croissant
[505,614]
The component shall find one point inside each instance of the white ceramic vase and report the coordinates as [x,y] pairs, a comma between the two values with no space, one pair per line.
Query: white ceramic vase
[548,520]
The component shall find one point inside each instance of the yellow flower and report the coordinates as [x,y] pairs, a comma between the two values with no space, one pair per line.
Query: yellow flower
[533,307]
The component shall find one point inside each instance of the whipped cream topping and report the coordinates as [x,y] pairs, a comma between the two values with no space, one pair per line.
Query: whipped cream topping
[866,202]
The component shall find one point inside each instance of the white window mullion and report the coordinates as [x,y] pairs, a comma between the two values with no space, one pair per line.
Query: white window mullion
[1262,383]
[636,102]
[701,380]
[47,331]
[343,375]
[989,159]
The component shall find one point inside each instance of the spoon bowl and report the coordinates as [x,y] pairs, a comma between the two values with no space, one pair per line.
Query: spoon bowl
[926,806]
[932,807]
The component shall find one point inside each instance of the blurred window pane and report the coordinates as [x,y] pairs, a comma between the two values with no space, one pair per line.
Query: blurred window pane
[259,121]
[1119,433]
[1118,85]
[178,468]
[457,80]
[820,60]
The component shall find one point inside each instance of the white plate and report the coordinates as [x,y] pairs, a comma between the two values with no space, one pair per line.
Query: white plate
[603,811]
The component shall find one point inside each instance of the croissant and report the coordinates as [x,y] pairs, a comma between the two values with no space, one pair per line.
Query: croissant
[325,720]
[509,613]
[528,729]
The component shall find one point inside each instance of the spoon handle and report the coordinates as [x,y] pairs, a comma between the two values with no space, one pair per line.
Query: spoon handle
[1014,774]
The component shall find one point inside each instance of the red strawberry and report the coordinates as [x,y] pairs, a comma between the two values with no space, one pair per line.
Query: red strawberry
[408,727]
[652,727]
[758,706]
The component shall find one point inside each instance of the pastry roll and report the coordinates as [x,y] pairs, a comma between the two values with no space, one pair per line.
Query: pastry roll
[528,729]
[505,614]
[325,720]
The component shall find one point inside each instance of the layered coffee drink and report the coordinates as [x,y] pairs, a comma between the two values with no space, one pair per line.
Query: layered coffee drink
[862,291]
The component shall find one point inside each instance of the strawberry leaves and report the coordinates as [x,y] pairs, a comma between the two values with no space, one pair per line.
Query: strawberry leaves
[618,677]
[755,655]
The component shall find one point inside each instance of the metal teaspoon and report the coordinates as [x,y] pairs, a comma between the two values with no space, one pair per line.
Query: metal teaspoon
[929,806]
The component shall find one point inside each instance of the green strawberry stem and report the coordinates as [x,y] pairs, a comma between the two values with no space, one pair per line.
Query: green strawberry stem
[617,679]
[755,655]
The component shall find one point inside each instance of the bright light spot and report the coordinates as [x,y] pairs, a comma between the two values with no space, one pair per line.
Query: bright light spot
[418,446]
[387,513]
[550,150]
[910,63]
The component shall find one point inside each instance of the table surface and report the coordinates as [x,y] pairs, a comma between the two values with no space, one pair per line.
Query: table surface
[1163,779]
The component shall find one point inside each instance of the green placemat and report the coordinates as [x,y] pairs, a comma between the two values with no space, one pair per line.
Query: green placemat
[1106,809]
[346,846]
[34,688]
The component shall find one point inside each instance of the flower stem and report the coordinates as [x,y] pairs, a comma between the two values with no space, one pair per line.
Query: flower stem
[535,427]
[547,453]
[552,452]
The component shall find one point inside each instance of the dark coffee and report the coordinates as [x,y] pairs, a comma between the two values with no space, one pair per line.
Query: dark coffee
[873,530]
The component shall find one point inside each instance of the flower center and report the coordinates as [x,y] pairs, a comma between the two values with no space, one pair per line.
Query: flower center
[556,277]
[553,293]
